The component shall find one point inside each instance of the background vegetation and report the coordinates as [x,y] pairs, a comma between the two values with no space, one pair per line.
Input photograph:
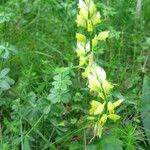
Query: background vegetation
[38,68]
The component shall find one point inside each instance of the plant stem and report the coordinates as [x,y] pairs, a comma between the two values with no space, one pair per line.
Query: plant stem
[21,130]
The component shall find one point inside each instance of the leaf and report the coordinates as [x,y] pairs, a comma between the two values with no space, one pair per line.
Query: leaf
[26,145]
[4,72]
[76,146]
[4,85]
[92,147]
[145,105]
[110,143]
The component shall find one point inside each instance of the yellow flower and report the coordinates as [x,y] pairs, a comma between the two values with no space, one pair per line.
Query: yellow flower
[103,35]
[87,46]
[112,106]
[90,27]
[94,41]
[107,87]
[98,72]
[94,84]
[92,8]
[96,108]
[83,61]
[96,18]
[86,72]
[117,103]
[80,49]
[80,37]
[103,120]
[80,52]
[83,9]
[97,81]
[81,22]
[114,117]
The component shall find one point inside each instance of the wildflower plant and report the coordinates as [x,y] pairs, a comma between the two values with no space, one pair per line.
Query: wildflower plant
[102,108]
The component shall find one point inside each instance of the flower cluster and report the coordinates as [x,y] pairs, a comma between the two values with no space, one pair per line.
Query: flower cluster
[101,109]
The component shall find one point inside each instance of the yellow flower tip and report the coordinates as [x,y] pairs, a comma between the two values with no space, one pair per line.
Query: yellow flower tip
[114,117]
[103,35]
[80,37]
[83,9]
[90,27]
[92,8]
[118,103]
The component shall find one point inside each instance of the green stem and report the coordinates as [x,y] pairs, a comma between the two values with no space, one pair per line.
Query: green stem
[21,130]
[34,125]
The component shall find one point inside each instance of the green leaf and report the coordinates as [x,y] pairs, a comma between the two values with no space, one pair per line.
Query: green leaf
[76,146]
[110,143]
[26,145]
[4,72]
[145,104]
[4,85]
[92,147]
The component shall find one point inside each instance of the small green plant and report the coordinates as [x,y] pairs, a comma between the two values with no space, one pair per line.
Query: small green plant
[102,107]
[5,80]
[60,91]
[6,49]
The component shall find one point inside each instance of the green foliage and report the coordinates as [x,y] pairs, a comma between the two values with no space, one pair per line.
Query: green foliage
[145,101]
[60,91]
[5,81]
[44,103]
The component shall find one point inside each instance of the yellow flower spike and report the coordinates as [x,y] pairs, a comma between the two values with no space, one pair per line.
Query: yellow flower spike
[80,37]
[81,22]
[103,35]
[110,108]
[98,85]
[96,108]
[118,103]
[83,61]
[114,117]
[94,41]
[96,18]
[90,27]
